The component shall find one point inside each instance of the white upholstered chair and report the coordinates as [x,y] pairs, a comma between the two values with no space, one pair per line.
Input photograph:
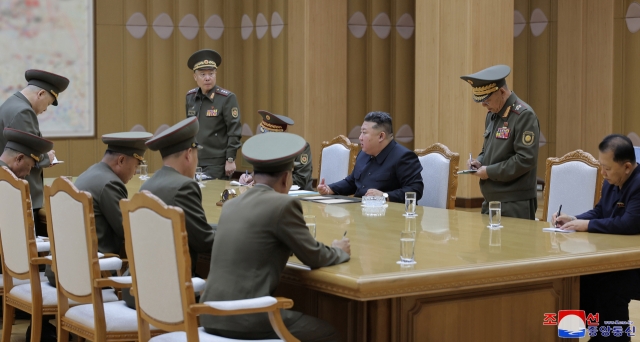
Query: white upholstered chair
[636,149]
[337,159]
[98,314]
[160,269]
[573,181]
[23,287]
[439,175]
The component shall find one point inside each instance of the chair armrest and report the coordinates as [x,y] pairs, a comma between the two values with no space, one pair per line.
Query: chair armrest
[242,306]
[116,282]
[198,284]
[41,261]
[43,246]
[110,264]
[108,255]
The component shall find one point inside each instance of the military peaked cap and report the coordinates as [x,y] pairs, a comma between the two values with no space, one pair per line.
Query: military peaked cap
[272,153]
[128,143]
[176,138]
[54,84]
[204,59]
[273,122]
[26,143]
[487,81]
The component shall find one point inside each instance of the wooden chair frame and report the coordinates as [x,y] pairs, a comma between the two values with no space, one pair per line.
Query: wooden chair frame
[344,141]
[191,309]
[454,161]
[66,325]
[10,302]
[577,155]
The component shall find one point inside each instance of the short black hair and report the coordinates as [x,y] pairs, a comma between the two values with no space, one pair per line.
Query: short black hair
[381,120]
[621,146]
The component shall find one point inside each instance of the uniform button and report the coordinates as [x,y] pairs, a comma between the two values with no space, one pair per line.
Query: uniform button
[216,134]
[369,173]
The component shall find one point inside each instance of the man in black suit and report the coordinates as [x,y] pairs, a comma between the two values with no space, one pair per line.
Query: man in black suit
[383,167]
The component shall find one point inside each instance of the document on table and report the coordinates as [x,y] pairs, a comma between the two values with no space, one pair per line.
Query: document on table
[333,201]
[557,230]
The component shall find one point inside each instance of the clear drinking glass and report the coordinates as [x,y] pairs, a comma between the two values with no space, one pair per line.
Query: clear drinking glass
[310,220]
[407,247]
[199,176]
[410,204]
[144,175]
[495,210]
[410,224]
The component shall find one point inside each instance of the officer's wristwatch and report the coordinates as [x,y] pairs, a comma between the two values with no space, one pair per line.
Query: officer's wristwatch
[386,197]
[230,160]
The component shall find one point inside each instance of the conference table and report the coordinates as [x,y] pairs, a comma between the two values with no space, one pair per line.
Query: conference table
[469,282]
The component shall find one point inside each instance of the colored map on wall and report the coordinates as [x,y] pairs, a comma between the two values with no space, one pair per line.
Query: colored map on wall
[56,36]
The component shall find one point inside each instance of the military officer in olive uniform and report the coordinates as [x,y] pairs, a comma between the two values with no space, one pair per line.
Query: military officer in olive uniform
[251,251]
[507,164]
[22,151]
[217,110]
[174,183]
[105,181]
[301,165]
[20,112]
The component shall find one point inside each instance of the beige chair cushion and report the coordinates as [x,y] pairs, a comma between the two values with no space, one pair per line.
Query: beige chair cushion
[17,282]
[118,316]
[180,336]
[50,295]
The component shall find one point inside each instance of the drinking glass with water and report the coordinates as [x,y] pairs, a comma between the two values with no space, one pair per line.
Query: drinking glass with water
[495,210]
[410,204]
[407,247]
[144,175]
[310,220]
[199,176]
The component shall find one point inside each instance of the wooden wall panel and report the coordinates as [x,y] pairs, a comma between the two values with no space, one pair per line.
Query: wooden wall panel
[449,45]
[630,82]
[378,60]
[357,73]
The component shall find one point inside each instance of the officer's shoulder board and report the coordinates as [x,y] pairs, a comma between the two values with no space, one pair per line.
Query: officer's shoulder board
[222,91]
[518,107]
[192,91]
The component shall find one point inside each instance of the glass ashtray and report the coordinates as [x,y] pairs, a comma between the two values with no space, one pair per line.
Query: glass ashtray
[373,201]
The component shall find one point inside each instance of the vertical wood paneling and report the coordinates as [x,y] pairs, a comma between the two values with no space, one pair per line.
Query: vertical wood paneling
[357,74]
[630,51]
[402,75]
[278,61]
[378,61]
[449,45]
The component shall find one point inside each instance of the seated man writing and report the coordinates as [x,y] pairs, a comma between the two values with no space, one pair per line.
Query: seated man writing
[382,167]
[617,212]
[251,251]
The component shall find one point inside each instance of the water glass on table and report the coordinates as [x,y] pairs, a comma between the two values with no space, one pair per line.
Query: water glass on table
[410,204]
[495,211]
[144,174]
[407,248]
[199,176]
[310,220]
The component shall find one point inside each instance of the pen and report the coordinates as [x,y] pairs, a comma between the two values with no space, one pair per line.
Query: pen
[558,214]
[246,172]
[345,234]
[470,160]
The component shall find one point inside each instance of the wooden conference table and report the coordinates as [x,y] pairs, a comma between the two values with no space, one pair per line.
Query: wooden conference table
[470,283]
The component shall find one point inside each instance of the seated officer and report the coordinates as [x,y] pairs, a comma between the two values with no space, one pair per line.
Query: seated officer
[174,183]
[251,251]
[23,151]
[617,212]
[382,167]
[301,165]
[106,182]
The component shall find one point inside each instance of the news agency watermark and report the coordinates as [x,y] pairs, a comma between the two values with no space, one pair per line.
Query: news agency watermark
[575,323]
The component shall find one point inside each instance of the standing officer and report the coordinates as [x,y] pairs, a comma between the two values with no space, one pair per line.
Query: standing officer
[22,151]
[217,110]
[507,164]
[302,168]
[20,112]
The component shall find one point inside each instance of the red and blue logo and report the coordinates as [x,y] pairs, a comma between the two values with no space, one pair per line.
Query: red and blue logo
[571,323]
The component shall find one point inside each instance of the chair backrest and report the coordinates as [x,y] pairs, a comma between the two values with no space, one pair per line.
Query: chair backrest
[160,267]
[637,151]
[74,244]
[16,225]
[439,176]
[575,181]
[161,129]
[137,128]
[337,159]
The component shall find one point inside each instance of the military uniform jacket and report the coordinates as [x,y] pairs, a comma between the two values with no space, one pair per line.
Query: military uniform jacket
[302,169]
[395,170]
[618,211]
[510,152]
[16,113]
[107,190]
[257,233]
[219,118]
[175,189]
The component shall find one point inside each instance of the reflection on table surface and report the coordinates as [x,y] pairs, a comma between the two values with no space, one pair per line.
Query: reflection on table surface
[452,248]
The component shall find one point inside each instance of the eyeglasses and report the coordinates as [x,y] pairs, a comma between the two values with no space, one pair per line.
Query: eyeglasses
[485,101]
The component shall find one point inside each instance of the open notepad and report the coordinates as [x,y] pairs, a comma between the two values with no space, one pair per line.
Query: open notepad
[558,230]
